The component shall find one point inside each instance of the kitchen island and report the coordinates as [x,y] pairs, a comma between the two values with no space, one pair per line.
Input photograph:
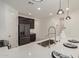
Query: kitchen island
[34,50]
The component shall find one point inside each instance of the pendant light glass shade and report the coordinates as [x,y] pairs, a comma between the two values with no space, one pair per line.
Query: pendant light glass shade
[60,11]
[68,17]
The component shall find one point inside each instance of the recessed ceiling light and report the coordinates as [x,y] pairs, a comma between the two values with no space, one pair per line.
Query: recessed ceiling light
[50,14]
[39,8]
[30,14]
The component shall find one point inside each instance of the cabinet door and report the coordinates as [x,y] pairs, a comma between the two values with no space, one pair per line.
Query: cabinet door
[32,37]
[31,23]
[27,30]
[22,27]
[23,20]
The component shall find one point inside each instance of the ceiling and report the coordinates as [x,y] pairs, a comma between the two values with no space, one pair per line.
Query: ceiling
[46,7]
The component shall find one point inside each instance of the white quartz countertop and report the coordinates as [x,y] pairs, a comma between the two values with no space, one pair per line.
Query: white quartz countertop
[33,50]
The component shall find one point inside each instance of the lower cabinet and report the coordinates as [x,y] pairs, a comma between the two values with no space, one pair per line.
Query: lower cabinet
[1,43]
[26,40]
[32,37]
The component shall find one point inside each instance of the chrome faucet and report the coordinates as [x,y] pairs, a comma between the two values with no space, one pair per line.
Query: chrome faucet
[52,27]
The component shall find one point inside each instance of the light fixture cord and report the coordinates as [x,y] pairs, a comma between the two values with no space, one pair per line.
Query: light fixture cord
[68,13]
[68,8]
[68,3]
[60,3]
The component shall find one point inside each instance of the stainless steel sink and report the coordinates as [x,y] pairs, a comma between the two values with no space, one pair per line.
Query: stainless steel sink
[46,43]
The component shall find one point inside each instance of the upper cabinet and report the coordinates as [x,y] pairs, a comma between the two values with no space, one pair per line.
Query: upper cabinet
[23,20]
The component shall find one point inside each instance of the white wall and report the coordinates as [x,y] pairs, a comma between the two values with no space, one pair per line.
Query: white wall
[11,16]
[2,20]
[43,29]
[8,24]
[44,25]
[72,26]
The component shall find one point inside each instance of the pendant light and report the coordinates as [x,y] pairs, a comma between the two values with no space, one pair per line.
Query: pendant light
[68,17]
[60,11]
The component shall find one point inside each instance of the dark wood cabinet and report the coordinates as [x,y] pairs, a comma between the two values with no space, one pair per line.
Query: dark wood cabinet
[30,21]
[24,26]
[32,37]
[24,40]
[1,43]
